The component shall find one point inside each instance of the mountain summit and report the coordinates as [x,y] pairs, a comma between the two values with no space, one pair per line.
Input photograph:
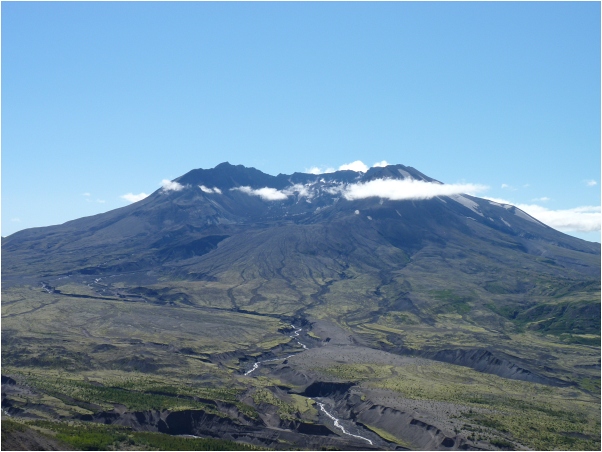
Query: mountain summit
[396,206]
[406,309]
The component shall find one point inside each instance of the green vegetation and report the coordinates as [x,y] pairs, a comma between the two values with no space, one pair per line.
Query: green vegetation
[178,342]
[292,408]
[89,436]
[137,392]
[10,426]
[538,416]
[389,437]
[452,302]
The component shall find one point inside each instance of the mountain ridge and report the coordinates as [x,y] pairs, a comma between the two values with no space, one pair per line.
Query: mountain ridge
[376,307]
[318,198]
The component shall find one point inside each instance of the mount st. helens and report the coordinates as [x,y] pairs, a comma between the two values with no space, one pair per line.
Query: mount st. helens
[447,322]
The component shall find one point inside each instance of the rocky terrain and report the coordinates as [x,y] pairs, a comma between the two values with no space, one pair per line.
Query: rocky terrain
[299,312]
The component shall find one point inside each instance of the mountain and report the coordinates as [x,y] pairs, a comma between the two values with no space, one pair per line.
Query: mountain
[172,225]
[385,270]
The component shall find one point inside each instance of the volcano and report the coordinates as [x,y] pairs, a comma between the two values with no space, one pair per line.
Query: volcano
[206,275]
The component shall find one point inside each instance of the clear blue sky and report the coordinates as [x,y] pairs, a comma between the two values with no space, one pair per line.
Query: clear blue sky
[104,99]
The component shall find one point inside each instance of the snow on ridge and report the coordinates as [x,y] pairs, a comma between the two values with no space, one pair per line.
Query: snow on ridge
[525,216]
[505,222]
[405,174]
[468,203]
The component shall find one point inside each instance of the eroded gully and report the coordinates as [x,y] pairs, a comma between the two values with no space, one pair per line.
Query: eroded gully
[337,422]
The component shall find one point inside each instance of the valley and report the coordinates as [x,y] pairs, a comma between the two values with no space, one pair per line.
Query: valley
[313,322]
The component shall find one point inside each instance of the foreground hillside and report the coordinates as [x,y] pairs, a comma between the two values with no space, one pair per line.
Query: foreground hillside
[246,307]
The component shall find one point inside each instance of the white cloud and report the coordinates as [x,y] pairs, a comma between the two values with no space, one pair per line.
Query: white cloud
[267,193]
[591,183]
[395,189]
[300,189]
[578,219]
[508,187]
[15,220]
[210,190]
[86,194]
[134,198]
[334,190]
[168,185]
[316,170]
[272,194]
[313,170]
[100,201]
[381,164]
[542,199]
[357,166]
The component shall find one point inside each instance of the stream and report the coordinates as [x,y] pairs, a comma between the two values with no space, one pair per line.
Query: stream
[338,425]
[293,336]
[336,421]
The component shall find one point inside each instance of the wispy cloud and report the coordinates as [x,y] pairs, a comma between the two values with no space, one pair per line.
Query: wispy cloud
[131,197]
[87,196]
[395,189]
[168,185]
[542,199]
[15,220]
[508,187]
[590,183]
[210,190]
[358,166]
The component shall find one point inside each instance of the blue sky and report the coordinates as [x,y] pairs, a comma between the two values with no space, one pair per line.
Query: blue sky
[104,99]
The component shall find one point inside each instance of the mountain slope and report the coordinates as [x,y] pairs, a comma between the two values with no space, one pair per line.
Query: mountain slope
[206,275]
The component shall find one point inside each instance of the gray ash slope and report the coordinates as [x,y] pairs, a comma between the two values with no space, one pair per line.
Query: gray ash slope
[188,230]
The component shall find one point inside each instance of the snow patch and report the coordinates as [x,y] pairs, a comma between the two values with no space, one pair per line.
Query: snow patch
[405,174]
[519,213]
[467,203]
